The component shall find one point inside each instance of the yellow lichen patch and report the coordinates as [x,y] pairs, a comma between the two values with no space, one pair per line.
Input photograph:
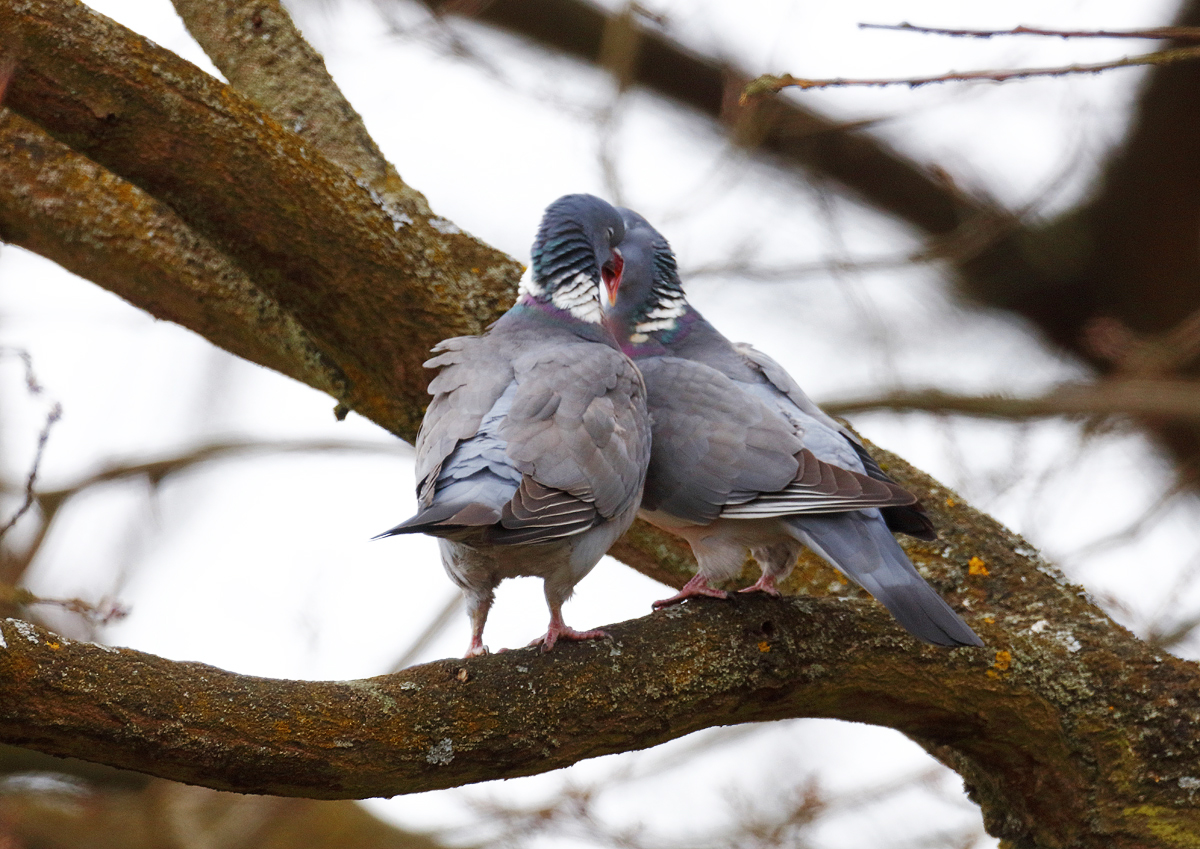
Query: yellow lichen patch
[1001,664]
[976,566]
[950,502]
[764,646]
[991,620]
[1174,828]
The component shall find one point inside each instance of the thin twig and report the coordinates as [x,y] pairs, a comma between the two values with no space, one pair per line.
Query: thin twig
[105,611]
[1166,399]
[1150,33]
[770,84]
[31,381]
[157,470]
[785,273]
[51,418]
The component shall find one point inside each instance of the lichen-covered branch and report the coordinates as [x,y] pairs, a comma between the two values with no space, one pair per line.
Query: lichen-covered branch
[260,51]
[1066,729]
[62,205]
[374,284]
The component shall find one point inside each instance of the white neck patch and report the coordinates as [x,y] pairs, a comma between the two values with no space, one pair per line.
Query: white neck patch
[580,297]
[666,312]
[527,286]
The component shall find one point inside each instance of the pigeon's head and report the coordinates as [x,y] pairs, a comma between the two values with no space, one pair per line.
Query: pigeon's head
[574,255]
[649,297]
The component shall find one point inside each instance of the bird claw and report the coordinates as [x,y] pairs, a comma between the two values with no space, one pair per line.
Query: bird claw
[697,586]
[765,584]
[564,632]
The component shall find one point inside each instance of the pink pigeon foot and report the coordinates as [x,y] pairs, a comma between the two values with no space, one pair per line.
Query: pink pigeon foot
[697,586]
[552,636]
[477,648]
[765,584]
[560,630]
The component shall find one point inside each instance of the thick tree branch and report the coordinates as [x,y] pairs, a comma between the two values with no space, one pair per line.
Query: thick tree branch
[67,208]
[328,252]
[1066,728]
[262,54]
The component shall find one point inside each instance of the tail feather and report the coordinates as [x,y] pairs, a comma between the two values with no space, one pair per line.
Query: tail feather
[444,520]
[860,545]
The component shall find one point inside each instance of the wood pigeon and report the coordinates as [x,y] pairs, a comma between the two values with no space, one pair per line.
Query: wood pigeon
[743,461]
[533,452]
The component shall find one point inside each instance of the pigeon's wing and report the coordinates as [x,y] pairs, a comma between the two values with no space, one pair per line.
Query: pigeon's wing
[720,450]
[579,433]
[779,378]
[821,487]
[909,517]
[474,372]
[712,442]
[528,442]
[464,476]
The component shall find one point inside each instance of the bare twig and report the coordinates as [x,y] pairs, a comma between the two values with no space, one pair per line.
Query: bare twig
[748,270]
[1151,33]
[1144,355]
[771,84]
[1166,399]
[101,613]
[51,419]
[31,381]
[158,470]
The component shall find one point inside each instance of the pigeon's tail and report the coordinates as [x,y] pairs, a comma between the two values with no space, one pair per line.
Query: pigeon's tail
[445,520]
[860,545]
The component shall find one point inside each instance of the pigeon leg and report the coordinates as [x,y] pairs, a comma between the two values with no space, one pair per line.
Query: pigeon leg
[560,630]
[478,608]
[695,587]
[765,584]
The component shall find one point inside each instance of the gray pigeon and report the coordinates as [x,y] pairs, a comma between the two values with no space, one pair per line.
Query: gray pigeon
[743,461]
[532,455]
